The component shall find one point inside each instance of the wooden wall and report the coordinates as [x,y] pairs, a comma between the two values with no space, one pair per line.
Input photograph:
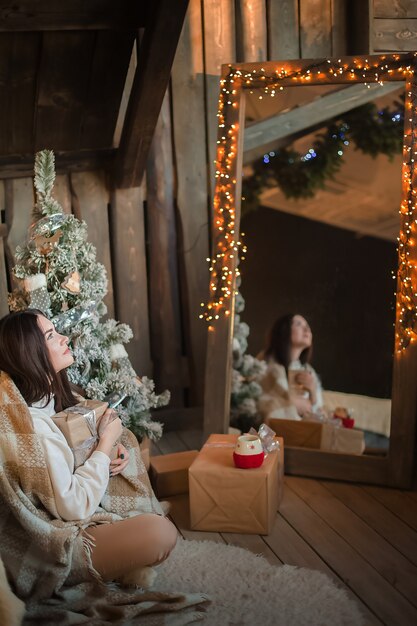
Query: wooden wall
[393,25]
[154,240]
[298,265]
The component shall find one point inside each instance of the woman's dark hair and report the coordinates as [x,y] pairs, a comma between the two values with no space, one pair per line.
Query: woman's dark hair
[24,357]
[279,342]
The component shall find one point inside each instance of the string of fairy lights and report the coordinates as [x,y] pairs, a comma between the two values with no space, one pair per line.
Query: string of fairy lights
[407,265]
[227,242]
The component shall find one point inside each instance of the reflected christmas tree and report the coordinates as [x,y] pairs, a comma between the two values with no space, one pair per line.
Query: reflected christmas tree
[247,370]
[58,273]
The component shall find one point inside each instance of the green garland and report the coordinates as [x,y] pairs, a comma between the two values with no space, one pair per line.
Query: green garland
[299,175]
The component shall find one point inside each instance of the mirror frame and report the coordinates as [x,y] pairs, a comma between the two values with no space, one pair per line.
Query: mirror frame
[395,468]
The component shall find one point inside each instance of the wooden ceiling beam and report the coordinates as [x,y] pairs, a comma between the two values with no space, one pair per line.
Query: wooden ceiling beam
[156,55]
[18,166]
[27,15]
[267,131]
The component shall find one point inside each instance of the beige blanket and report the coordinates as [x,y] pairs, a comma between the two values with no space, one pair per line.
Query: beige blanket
[47,560]
[11,608]
[373,414]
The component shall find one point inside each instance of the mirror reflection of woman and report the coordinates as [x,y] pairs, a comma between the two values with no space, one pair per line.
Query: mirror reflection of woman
[291,387]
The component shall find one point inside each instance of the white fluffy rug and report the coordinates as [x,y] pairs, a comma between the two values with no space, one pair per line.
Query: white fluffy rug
[246,589]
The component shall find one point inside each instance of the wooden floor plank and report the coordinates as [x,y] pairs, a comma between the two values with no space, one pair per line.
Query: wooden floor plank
[292,549]
[398,502]
[193,439]
[380,554]
[155,449]
[413,495]
[382,599]
[253,543]
[170,442]
[180,514]
[381,519]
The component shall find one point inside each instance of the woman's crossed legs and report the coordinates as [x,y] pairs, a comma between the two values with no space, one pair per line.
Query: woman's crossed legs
[130,544]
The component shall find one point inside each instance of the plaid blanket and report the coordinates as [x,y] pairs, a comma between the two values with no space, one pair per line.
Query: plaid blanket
[47,560]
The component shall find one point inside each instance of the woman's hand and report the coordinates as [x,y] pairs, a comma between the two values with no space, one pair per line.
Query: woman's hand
[110,426]
[308,381]
[119,464]
[109,432]
[303,405]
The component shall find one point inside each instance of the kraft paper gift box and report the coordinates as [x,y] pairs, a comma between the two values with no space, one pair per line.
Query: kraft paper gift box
[318,435]
[342,440]
[224,498]
[300,434]
[80,425]
[169,473]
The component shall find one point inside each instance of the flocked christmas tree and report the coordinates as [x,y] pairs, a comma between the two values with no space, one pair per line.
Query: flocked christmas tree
[59,274]
[247,370]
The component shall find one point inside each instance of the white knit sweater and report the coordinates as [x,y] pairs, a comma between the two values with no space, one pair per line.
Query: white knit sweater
[77,493]
[276,399]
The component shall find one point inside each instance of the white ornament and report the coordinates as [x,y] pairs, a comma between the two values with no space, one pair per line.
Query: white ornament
[117,351]
[34,282]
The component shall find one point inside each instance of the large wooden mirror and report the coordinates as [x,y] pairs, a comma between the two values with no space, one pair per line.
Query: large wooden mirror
[271,109]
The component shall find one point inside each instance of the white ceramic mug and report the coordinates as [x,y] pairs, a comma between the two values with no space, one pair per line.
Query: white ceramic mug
[248,444]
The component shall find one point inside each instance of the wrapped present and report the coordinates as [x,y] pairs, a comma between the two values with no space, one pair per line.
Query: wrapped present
[224,498]
[169,473]
[342,440]
[297,433]
[81,425]
[318,435]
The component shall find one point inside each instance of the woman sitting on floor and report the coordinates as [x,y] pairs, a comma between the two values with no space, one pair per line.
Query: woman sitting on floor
[66,531]
[291,387]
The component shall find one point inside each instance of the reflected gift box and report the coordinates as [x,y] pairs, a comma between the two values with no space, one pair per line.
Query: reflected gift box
[224,498]
[318,435]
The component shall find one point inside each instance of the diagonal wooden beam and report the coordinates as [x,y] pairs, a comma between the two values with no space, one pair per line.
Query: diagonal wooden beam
[300,118]
[156,55]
